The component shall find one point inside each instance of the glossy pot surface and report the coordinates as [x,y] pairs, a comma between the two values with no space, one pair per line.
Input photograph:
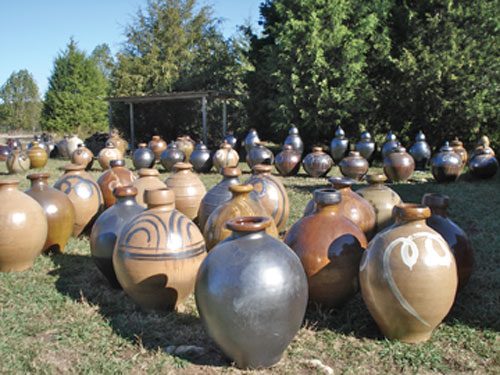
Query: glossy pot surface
[143,157]
[287,162]
[116,175]
[317,163]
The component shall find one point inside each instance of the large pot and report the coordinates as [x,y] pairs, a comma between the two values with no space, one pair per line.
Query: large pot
[420,151]
[225,156]
[354,166]
[317,163]
[82,155]
[399,165]
[38,156]
[339,147]
[116,175]
[259,154]
[294,140]
[148,180]
[143,157]
[18,161]
[157,145]
[366,146]
[108,153]
[201,158]
[446,165]
[287,162]
[171,156]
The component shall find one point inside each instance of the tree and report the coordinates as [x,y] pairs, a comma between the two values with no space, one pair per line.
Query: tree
[73,102]
[101,55]
[21,101]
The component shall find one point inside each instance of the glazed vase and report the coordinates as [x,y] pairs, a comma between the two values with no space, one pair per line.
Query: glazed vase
[251,140]
[85,194]
[459,148]
[382,199]
[72,144]
[483,165]
[339,147]
[225,156]
[295,141]
[58,210]
[14,143]
[399,165]
[82,155]
[446,165]
[481,150]
[157,145]
[120,143]
[366,146]
[143,157]
[158,253]
[456,238]
[186,145]
[171,156]
[37,155]
[259,154]
[62,147]
[271,194]
[420,151]
[251,293]
[4,152]
[330,248]
[108,153]
[201,159]
[116,175]
[188,189]
[231,139]
[18,161]
[287,162]
[107,228]
[354,166]
[390,142]
[148,180]
[37,141]
[408,276]
[241,204]
[24,228]
[317,163]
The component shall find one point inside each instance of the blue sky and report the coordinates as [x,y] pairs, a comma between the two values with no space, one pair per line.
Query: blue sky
[34,32]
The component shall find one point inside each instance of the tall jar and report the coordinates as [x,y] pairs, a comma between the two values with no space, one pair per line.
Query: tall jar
[287,162]
[148,180]
[420,151]
[251,293]
[171,156]
[366,146]
[408,276]
[317,163]
[399,165]
[391,141]
[251,139]
[157,145]
[459,148]
[339,147]
[116,175]
[225,156]
[186,145]
[108,153]
[295,141]
[446,165]
[37,155]
[82,155]
[143,157]
[354,166]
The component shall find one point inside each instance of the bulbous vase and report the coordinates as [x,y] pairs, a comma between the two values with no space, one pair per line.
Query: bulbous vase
[317,163]
[354,166]
[446,165]
[18,161]
[339,147]
[148,180]
[399,165]
[295,141]
[251,140]
[143,157]
[259,154]
[171,156]
[108,153]
[225,156]
[72,144]
[186,145]
[116,175]
[459,148]
[82,155]
[37,155]
[120,143]
[390,142]
[157,145]
[420,152]
[201,158]
[287,162]
[366,146]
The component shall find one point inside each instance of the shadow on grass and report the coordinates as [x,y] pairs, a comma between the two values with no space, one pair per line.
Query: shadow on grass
[80,279]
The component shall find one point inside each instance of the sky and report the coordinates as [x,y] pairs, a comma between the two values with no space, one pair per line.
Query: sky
[34,32]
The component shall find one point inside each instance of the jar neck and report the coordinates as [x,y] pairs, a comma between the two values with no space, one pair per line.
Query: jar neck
[9,187]
[40,183]
[128,200]
[440,211]
[331,209]
[402,221]
[166,207]
[249,235]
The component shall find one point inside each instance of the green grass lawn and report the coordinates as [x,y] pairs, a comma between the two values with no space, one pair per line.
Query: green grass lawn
[62,317]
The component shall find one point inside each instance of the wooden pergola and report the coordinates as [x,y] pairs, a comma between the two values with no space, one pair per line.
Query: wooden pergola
[185,95]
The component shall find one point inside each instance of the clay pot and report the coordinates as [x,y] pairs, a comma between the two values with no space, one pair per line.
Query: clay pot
[143,157]
[37,155]
[354,166]
[408,276]
[252,329]
[455,237]
[330,248]
[24,228]
[39,143]
[231,139]
[186,145]
[171,156]
[72,144]
[120,143]
[14,143]
[241,204]
[108,153]
[62,147]
[398,165]
[390,143]
[58,210]
[381,198]
[158,253]
[481,150]
[483,165]
[251,140]
[107,228]
[483,141]
[201,158]
[366,146]
[148,180]
[259,154]
[115,176]
[225,156]
[287,162]
[82,155]
[446,165]
[157,145]
[317,163]
[85,195]
[339,147]
[459,148]
[18,161]
[4,152]
[271,194]
[420,152]
[188,189]
[295,141]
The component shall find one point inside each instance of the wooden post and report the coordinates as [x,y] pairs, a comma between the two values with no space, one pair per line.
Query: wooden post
[224,117]
[204,117]
[110,118]
[131,126]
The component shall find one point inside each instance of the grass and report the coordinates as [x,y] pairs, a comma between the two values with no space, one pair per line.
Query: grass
[61,316]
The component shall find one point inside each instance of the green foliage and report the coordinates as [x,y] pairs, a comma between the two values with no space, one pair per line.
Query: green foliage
[101,55]
[21,103]
[73,102]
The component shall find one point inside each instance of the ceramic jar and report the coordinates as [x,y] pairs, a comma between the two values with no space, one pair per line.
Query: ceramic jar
[58,210]
[72,144]
[107,228]
[186,145]
[120,143]
[483,165]
[339,145]
[251,293]
[85,195]
[231,139]
[317,163]
[241,204]
[148,180]
[354,166]
[459,148]
[330,248]
[158,253]
[420,151]
[446,165]
[18,161]
[408,276]
[171,156]
[456,238]
[259,154]
[4,152]
[251,140]
[115,176]
[287,162]
[295,141]
[366,146]
[39,143]
[390,142]
[62,147]
[399,165]
[225,156]
[37,155]
[82,155]
[143,157]
[201,158]
[157,145]
[14,143]
[108,153]
[188,189]
[271,194]
[382,199]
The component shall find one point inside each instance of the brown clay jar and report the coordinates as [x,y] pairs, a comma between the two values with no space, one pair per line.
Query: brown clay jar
[399,165]
[186,145]
[108,153]
[157,145]
[148,180]
[225,156]
[317,163]
[330,249]
[18,161]
[408,276]
[82,155]
[115,176]
[58,209]
[354,166]
[158,254]
[271,194]
[120,143]
[85,194]
[456,238]
[459,148]
[241,204]
[38,156]
[24,228]
[287,162]
[188,189]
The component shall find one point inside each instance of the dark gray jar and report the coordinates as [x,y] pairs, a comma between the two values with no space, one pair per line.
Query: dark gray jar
[366,146]
[171,156]
[231,139]
[294,140]
[354,166]
[483,165]
[251,139]
[390,143]
[143,157]
[259,155]
[317,163]
[339,145]
[201,158]
[446,165]
[420,151]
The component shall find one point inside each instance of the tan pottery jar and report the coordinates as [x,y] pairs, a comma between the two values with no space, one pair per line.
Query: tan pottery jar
[38,156]
[82,155]
[225,156]
[157,145]
[18,161]
[148,180]
[108,153]
[115,176]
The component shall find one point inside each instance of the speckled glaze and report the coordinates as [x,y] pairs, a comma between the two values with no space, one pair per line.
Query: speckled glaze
[287,162]
[157,145]
[201,158]
[115,176]
[354,166]
[259,154]
[82,155]
[37,155]
[148,180]
[390,142]
[446,165]
[225,156]
[108,153]
[171,156]
[317,163]
[420,152]
[339,147]
[295,141]
[399,165]
[408,276]
[18,161]
[143,157]
[158,253]
[251,139]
